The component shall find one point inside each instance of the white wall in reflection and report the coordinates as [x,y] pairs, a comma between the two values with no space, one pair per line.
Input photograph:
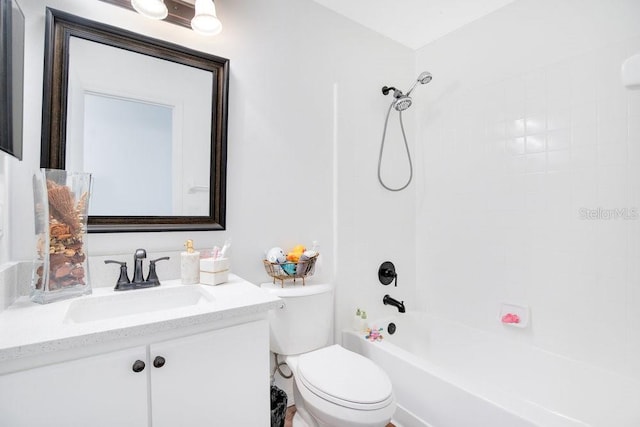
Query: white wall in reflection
[147,136]
[128,150]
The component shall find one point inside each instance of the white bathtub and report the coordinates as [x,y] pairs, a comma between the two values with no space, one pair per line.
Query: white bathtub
[445,374]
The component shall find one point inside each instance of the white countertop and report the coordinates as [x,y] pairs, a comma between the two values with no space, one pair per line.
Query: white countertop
[29,329]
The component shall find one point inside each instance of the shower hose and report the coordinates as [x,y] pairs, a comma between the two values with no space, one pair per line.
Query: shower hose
[406,145]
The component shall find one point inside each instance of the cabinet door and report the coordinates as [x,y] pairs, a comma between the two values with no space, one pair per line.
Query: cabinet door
[218,378]
[98,391]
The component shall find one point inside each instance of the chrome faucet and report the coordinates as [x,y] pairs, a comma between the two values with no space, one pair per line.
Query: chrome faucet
[387,300]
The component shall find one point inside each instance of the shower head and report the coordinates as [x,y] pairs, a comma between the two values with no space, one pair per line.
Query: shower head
[402,103]
[424,78]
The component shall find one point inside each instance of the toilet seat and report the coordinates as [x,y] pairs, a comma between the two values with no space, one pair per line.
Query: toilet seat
[345,378]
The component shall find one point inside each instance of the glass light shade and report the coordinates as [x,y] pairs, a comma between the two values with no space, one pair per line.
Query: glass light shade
[205,21]
[152,9]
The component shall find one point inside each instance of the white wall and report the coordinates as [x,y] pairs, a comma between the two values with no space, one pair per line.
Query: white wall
[297,172]
[526,124]
[4,241]
[8,270]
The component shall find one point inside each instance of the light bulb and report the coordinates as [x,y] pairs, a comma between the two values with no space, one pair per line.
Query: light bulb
[152,9]
[205,21]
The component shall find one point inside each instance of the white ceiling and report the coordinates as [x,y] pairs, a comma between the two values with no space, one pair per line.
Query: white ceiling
[414,23]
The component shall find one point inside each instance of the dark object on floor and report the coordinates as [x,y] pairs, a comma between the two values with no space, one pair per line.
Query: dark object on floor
[278,406]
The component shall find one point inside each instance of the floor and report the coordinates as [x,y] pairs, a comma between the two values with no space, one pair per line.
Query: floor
[291,410]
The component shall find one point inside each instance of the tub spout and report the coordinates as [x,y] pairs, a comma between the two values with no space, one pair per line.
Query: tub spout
[387,300]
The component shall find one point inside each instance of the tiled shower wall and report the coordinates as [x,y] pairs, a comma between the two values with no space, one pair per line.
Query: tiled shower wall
[530,192]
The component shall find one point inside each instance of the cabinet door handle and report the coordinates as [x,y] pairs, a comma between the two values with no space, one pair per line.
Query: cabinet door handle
[138,366]
[159,361]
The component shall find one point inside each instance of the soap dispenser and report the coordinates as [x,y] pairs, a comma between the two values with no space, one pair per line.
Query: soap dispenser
[190,265]
[357,321]
[365,323]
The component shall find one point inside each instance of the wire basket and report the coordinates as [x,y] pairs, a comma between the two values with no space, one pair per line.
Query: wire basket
[290,270]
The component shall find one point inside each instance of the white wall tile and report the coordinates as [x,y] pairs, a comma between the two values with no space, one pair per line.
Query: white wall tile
[536,163]
[559,139]
[633,103]
[558,117]
[571,146]
[613,154]
[558,160]
[515,146]
[584,136]
[535,143]
[583,78]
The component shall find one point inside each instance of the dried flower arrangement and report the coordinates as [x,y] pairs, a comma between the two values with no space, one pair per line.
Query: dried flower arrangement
[66,231]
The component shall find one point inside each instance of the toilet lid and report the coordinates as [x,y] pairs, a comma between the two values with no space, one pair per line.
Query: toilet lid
[345,378]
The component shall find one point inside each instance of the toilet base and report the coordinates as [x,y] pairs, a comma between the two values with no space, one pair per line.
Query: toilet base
[301,418]
[298,421]
[329,416]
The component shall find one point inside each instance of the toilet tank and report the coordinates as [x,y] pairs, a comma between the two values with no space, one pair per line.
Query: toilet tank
[305,323]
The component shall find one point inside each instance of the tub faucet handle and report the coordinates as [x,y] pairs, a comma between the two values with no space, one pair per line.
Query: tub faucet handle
[387,273]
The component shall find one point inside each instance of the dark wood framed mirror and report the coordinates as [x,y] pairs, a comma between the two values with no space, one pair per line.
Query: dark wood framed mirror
[146,117]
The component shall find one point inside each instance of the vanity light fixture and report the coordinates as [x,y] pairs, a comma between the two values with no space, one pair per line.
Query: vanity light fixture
[152,9]
[199,15]
[205,21]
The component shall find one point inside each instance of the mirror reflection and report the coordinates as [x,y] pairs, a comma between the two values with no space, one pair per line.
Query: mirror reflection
[137,132]
[127,145]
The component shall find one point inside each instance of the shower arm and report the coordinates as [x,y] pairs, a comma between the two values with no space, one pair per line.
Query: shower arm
[396,93]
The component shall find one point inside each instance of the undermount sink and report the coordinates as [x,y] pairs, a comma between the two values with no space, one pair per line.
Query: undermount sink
[135,302]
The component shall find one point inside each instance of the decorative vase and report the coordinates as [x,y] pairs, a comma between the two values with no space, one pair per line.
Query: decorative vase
[61,205]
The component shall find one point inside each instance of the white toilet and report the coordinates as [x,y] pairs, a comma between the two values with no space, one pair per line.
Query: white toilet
[332,387]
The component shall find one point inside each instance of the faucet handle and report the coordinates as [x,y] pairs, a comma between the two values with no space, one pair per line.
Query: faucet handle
[387,273]
[124,276]
[153,276]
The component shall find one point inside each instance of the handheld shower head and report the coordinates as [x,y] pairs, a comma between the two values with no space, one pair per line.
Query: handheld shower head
[403,101]
[425,77]
[400,103]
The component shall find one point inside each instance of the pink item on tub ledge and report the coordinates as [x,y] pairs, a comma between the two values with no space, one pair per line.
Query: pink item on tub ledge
[510,318]
[514,315]
[374,334]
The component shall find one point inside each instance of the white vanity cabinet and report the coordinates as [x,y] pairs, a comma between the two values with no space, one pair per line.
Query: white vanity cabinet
[213,378]
[220,378]
[99,391]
